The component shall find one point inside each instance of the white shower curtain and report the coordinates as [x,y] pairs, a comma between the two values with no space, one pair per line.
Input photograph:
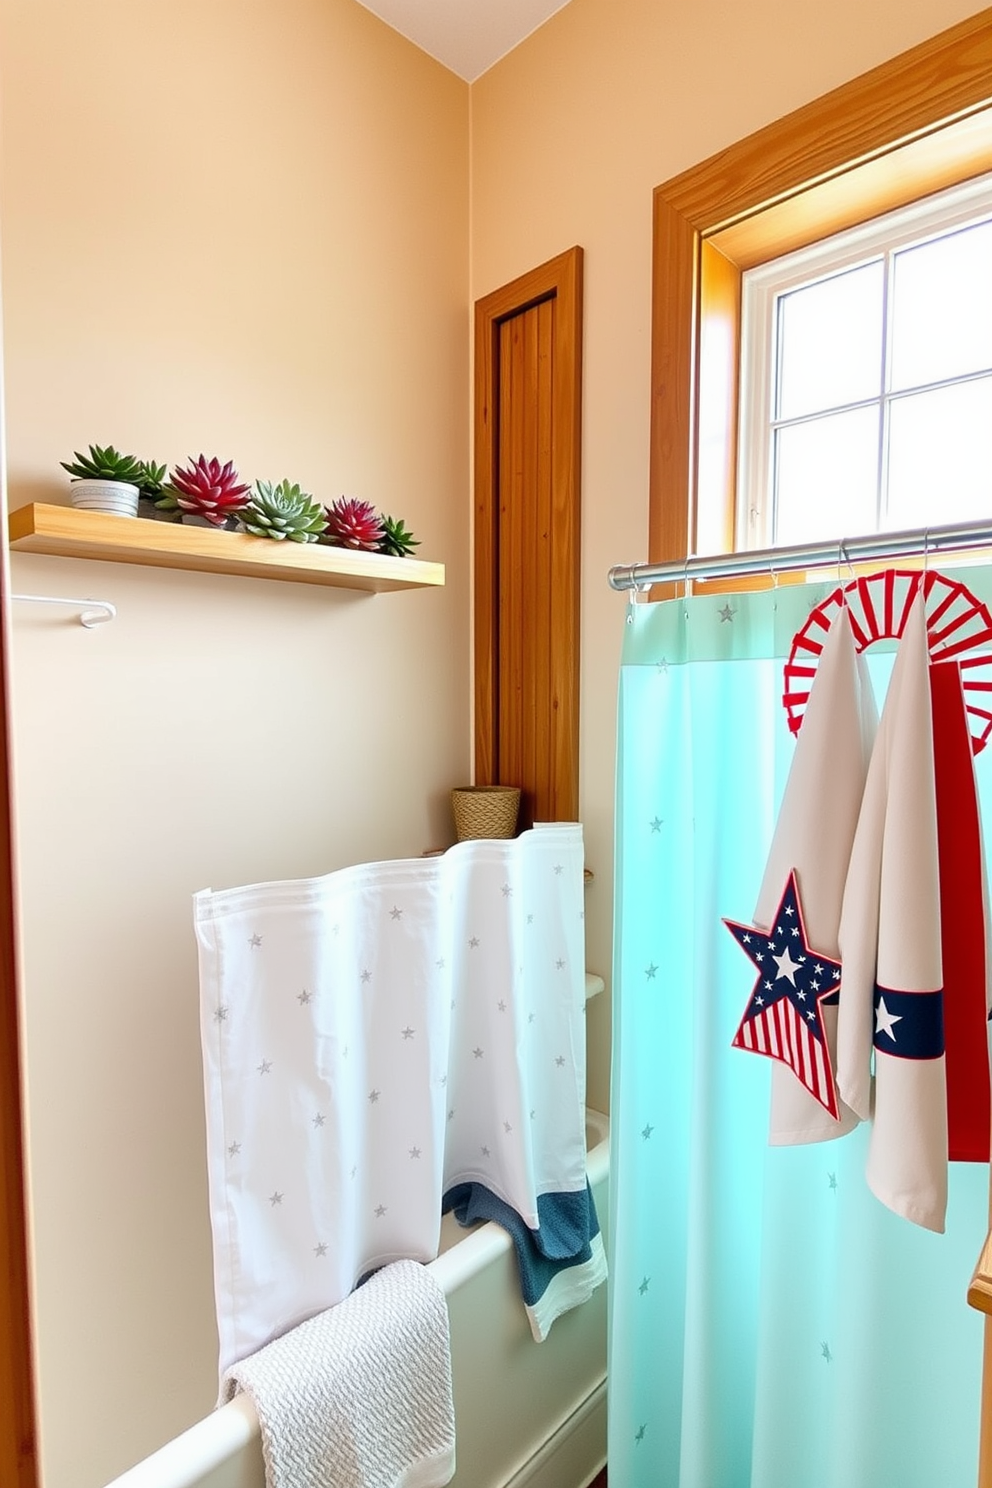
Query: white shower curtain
[373,1039]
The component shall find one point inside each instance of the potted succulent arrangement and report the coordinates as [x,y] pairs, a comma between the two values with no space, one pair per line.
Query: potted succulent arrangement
[205,493]
[106,481]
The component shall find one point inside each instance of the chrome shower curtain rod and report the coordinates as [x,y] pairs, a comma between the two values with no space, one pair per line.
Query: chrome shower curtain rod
[929,541]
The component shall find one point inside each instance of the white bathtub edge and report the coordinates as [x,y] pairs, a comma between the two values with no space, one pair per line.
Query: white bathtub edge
[213,1442]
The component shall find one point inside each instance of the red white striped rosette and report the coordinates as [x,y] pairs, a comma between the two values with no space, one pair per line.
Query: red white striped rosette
[959,626]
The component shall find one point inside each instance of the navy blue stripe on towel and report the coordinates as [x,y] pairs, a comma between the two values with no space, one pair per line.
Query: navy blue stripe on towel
[567,1240]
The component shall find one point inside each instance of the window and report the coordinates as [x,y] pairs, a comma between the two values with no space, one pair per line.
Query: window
[866,380]
[919,124]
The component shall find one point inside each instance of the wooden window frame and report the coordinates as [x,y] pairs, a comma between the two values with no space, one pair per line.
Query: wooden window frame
[918,123]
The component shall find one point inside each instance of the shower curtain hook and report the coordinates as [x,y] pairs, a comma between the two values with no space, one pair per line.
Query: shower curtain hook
[843,556]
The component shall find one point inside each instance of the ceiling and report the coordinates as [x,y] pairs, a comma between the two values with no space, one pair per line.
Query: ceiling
[468,36]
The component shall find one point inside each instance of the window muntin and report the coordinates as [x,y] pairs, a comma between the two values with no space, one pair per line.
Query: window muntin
[866,378]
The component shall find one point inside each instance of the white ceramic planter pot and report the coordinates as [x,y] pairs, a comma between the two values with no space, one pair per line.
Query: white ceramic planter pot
[119,498]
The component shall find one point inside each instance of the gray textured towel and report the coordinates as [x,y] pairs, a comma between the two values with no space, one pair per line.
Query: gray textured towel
[359,1396]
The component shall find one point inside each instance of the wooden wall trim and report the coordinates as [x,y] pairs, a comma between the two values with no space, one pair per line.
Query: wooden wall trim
[18,1451]
[929,89]
[560,278]
[946,77]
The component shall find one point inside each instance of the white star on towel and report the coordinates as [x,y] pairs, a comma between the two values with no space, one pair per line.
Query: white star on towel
[886,1021]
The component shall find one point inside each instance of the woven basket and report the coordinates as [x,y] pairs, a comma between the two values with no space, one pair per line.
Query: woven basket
[485,810]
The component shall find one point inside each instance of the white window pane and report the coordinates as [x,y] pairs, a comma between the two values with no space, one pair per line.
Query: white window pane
[940,456]
[827,477]
[831,342]
[942,308]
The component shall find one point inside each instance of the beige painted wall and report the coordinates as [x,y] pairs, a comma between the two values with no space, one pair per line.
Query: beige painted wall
[239,227]
[570,134]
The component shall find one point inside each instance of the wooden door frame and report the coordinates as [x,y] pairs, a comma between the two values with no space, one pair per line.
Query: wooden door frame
[560,278]
[18,1442]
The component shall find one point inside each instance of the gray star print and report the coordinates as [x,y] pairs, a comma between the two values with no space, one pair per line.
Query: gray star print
[395,913]
[657,823]
[414,1151]
[318,1120]
[275,1199]
[560,1061]
[726,614]
[477,1053]
[373,1096]
[380,1210]
[234,1149]
[304,997]
[646,1133]
[408,1032]
[320,1250]
[366,976]
[255,942]
[220,1014]
[265,1067]
[644,1285]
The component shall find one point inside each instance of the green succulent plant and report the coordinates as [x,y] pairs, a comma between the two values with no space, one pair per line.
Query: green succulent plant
[397,539]
[105,464]
[152,482]
[283,511]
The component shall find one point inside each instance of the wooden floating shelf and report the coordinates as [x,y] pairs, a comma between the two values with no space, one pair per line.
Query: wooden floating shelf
[65,532]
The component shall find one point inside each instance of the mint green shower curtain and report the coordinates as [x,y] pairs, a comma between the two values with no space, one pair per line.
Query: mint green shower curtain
[772,1325]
